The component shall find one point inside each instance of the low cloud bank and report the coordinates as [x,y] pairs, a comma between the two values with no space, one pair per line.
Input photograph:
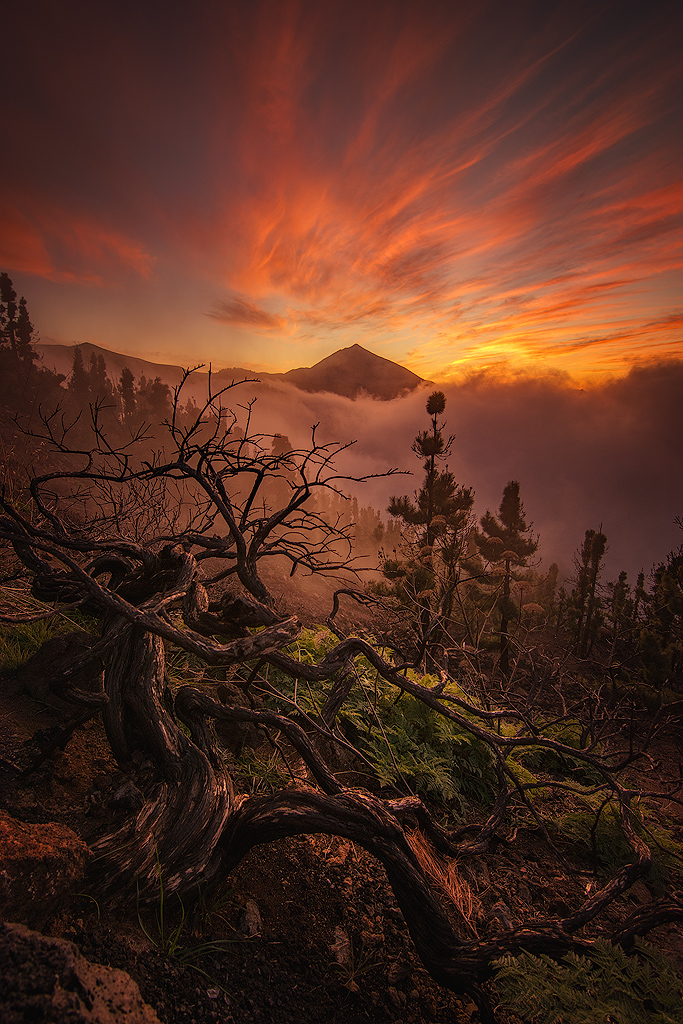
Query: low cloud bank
[610,455]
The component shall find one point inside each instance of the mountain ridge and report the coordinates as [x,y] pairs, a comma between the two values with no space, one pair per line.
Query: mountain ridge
[352,372]
[349,372]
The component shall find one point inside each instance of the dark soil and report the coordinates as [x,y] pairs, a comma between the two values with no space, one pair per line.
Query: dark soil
[304,889]
[310,894]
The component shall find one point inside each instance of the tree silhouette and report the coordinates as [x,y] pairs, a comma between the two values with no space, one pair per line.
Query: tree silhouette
[126,389]
[506,541]
[79,382]
[584,608]
[25,383]
[8,312]
[435,525]
[24,335]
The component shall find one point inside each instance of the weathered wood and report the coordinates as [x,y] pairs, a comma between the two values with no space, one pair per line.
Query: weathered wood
[188,825]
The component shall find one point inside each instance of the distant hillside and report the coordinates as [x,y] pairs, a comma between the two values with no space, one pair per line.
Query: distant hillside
[354,371]
[350,372]
[61,358]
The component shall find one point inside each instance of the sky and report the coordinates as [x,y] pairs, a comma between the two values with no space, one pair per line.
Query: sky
[456,186]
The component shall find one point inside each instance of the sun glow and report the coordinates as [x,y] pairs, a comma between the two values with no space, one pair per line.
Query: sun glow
[444,187]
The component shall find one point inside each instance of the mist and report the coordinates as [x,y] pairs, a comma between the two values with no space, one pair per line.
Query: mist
[608,456]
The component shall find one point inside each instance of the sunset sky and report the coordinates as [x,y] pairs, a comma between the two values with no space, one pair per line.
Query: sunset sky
[451,185]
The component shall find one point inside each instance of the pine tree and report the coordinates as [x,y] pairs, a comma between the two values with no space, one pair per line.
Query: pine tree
[154,399]
[662,634]
[507,543]
[584,612]
[8,297]
[126,389]
[620,611]
[24,386]
[435,525]
[24,335]
[79,384]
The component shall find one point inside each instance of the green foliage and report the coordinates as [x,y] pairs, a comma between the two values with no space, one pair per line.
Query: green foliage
[435,757]
[169,930]
[424,575]
[662,633]
[554,762]
[261,774]
[611,986]
[584,612]
[19,641]
[408,745]
[611,847]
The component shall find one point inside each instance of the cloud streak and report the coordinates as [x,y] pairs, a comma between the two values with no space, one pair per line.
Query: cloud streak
[246,314]
[458,184]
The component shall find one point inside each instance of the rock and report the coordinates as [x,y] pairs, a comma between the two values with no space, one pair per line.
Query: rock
[42,675]
[398,971]
[397,999]
[127,797]
[48,979]
[639,892]
[372,939]
[500,914]
[559,907]
[40,866]
[524,893]
[250,923]
[341,947]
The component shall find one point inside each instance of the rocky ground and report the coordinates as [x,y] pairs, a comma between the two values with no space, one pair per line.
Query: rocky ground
[305,930]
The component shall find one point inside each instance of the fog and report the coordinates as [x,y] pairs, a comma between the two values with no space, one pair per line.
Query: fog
[609,456]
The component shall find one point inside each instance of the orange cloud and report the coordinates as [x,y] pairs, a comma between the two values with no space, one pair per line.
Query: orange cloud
[58,245]
[447,183]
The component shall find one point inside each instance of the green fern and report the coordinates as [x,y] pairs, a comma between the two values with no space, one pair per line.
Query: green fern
[611,846]
[409,746]
[611,986]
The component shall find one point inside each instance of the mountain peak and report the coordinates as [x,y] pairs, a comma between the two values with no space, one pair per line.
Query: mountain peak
[354,371]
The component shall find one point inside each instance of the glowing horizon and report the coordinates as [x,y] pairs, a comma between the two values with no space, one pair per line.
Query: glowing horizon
[451,188]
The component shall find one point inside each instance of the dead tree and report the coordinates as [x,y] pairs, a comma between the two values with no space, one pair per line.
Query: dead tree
[148,544]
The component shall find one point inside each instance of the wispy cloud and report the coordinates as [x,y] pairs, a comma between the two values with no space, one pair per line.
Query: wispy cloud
[65,246]
[245,314]
[459,182]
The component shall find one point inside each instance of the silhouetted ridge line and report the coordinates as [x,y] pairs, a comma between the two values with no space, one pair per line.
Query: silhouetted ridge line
[354,371]
[349,372]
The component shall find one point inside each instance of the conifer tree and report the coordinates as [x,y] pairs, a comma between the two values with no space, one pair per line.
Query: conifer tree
[79,384]
[585,616]
[126,389]
[662,634]
[507,543]
[435,525]
[154,399]
[24,386]
[24,335]
[620,610]
[101,390]
[8,297]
